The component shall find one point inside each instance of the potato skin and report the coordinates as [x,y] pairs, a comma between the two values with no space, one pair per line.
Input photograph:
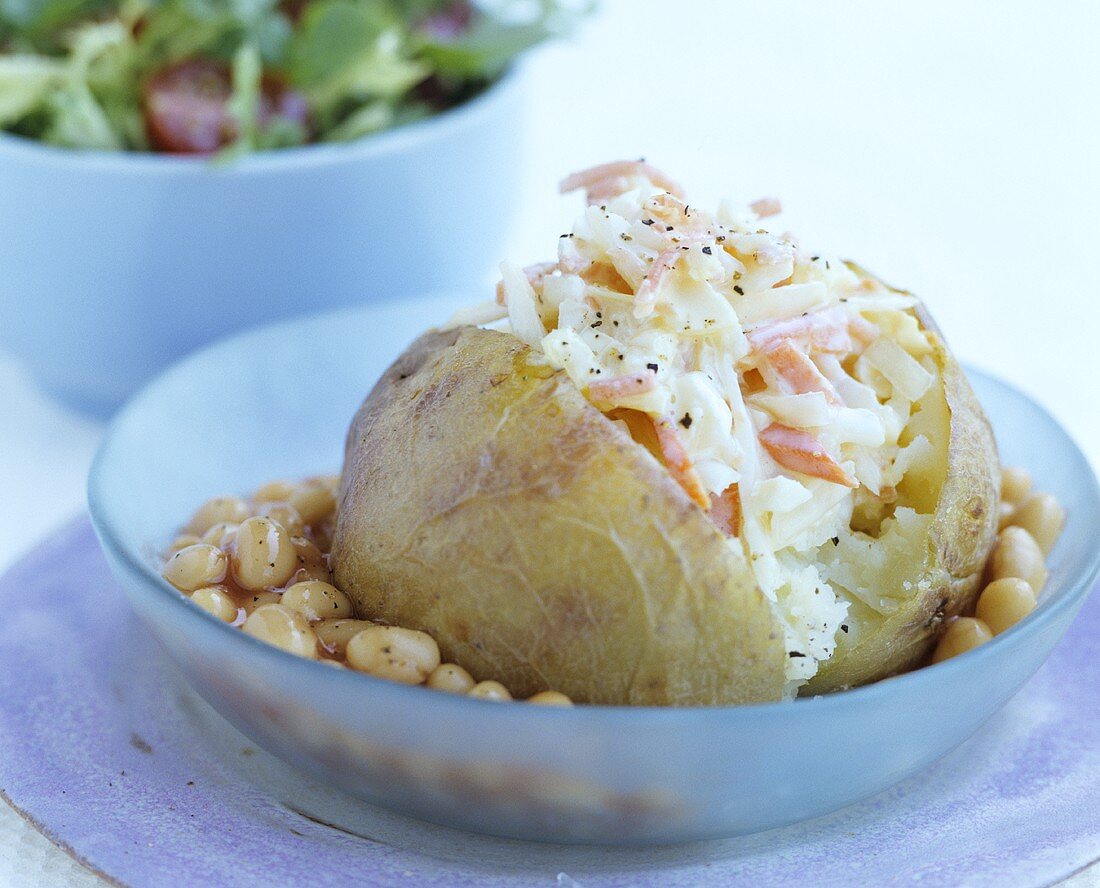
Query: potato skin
[486,502]
[948,568]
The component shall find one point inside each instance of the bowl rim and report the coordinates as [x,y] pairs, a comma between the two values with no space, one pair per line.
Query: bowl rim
[435,127]
[941,675]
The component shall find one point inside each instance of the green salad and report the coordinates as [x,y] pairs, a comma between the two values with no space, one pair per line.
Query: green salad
[235,76]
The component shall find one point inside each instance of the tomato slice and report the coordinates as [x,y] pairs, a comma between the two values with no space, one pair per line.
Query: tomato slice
[186,110]
[186,106]
[450,22]
[293,9]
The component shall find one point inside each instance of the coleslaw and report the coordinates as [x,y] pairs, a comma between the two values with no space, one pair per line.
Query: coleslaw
[757,372]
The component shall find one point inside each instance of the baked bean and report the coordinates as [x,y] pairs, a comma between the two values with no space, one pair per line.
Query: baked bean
[215,601]
[264,556]
[489,690]
[1005,513]
[312,564]
[550,698]
[284,628]
[316,601]
[403,655]
[1016,554]
[452,678]
[259,599]
[221,535]
[1015,485]
[314,502]
[285,514]
[1043,517]
[332,482]
[229,509]
[182,542]
[1004,602]
[335,634]
[195,566]
[274,492]
[962,634]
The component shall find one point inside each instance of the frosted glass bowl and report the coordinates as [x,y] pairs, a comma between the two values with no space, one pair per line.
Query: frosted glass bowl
[277,402]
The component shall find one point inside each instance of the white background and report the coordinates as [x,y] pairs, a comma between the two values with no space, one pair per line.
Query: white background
[951,147]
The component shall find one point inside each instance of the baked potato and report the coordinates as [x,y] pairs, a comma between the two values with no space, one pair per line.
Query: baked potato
[698,467]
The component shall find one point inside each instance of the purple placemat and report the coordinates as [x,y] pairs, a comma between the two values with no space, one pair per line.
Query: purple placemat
[120,764]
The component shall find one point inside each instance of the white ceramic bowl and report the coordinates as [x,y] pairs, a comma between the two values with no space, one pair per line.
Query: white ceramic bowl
[112,265]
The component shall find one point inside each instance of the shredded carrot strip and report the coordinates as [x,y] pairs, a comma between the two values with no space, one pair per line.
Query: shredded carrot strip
[802,452]
[862,330]
[797,374]
[766,206]
[610,179]
[819,331]
[725,511]
[646,297]
[621,387]
[678,463]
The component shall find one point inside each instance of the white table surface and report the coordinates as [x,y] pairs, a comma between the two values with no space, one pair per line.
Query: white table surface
[953,148]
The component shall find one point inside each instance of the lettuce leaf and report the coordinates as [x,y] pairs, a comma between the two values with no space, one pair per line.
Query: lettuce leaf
[72,71]
[26,82]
